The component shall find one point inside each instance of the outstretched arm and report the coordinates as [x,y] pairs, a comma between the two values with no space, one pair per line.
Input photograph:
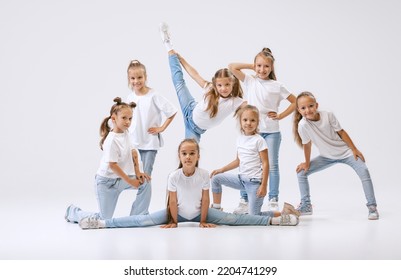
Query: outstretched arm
[192,72]
[230,166]
[236,68]
[347,139]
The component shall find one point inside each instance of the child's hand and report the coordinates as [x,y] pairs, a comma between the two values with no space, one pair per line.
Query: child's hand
[155,130]
[273,115]
[142,177]
[171,225]
[358,154]
[207,225]
[262,191]
[302,166]
[215,172]
[134,182]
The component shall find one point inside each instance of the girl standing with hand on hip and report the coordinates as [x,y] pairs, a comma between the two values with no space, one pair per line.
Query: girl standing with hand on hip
[223,96]
[119,168]
[252,160]
[266,93]
[335,146]
[188,201]
[147,127]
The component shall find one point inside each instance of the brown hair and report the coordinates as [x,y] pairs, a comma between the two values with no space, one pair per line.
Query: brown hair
[187,140]
[212,96]
[297,117]
[115,109]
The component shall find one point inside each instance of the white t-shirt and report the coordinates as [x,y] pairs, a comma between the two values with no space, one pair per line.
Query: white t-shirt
[323,133]
[116,148]
[248,148]
[148,113]
[226,106]
[189,191]
[266,95]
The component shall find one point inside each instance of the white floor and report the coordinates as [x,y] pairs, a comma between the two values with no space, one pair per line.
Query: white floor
[35,229]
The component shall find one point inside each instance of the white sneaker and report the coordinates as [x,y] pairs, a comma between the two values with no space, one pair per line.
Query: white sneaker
[289,220]
[166,36]
[373,213]
[91,222]
[242,207]
[272,205]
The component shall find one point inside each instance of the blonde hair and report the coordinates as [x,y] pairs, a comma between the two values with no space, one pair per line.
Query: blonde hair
[115,109]
[248,107]
[135,64]
[266,53]
[212,96]
[297,117]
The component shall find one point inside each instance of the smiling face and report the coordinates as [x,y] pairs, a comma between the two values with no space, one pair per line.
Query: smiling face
[122,120]
[137,80]
[249,122]
[307,107]
[188,155]
[224,86]
[263,67]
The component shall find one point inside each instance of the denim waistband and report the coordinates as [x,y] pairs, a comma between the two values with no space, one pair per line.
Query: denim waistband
[247,179]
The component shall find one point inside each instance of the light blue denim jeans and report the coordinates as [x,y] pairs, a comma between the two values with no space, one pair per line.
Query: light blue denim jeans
[148,160]
[186,100]
[273,141]
[107,192]
[319,163]
[249,185]
[214,216]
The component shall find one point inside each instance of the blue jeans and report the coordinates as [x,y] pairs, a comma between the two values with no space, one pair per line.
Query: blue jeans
[249,185]
[214,216]
[319,163]
[148,160]
[107,192]
[186,100]
[273,141]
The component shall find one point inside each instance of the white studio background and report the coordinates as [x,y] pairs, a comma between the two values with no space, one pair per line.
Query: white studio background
[63,62]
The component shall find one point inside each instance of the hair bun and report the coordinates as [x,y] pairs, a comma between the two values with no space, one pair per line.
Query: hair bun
[117,100]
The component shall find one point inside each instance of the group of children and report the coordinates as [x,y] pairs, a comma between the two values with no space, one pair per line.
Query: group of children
[131,138]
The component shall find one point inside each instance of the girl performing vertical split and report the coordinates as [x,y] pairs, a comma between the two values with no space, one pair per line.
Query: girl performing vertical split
[223,96]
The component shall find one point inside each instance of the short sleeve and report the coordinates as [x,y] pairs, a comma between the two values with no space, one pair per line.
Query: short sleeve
[334,123]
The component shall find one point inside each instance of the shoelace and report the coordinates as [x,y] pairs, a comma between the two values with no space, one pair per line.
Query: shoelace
[92,222]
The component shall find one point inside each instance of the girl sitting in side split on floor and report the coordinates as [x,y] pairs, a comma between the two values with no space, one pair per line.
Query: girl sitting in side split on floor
[188,201]
[335,146]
